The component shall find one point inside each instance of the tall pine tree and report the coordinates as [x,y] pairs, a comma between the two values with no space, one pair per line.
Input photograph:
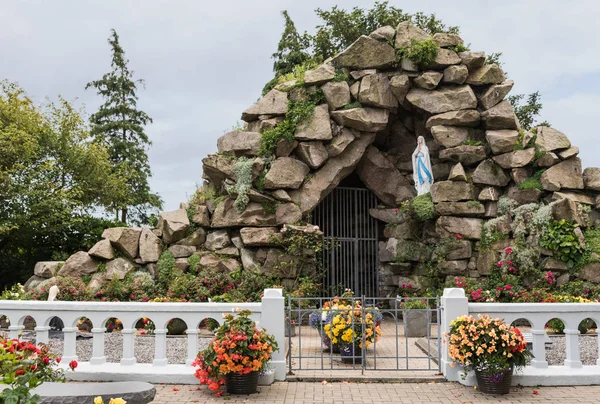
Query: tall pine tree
[291,50]
[119,125]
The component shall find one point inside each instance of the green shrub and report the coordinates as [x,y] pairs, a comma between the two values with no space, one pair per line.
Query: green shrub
[422,53]
[166,269]
[189,287]
[560,237]
[298,112]
[459,48]
[194,263]
[423,206]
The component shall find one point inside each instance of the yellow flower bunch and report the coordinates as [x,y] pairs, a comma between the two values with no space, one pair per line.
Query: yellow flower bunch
[347,326]
[571,299]
[98,400]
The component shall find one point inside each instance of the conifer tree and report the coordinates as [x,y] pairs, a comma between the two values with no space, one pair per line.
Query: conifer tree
[119,125]
[291,50]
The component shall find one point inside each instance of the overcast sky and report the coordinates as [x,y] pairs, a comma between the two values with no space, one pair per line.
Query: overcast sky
[204,62]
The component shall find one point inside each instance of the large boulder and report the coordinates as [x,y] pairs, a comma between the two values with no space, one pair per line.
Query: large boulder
[175,225]
[444,40]
[366,53]
[502,141]
[317,127]
[379,174]
[567,209]
[340,142]
[182,251]
[406,33]
[375,90]
[465,117]
[443,99]
[450,136]
[47,269]
[125,239]
[260,236]
[226,215]
[453,267]
[363,119]
[78,265]
[238,143]
[400,84]
[218,239]
[568,153]
[563,175]
[118,268]
[201,216]
[549,139]
[388,215]
[428,80]
[287,213]
[467,155]
[515,159]
[456,74]
[450,191]
[469,228]
[385,33]
[443,59]
[217,168]
[590,272]
[102,249]
[286,172]
[336,94]
[471,208]
[487,74]
[313,154]
[489,173]
[494,94]
[150,246]
[196,239]
[591,178]
[500,116]
[319,75]
[330,174]
[274,103]
[457,173]
[473,60]
[524,196]
[548,159]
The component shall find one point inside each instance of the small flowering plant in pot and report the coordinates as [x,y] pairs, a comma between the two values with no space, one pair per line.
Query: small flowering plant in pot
[490,347]
[236,355]
[415,314]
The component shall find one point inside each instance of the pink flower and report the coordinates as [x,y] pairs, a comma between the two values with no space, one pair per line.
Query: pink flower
[458,236]
[509,263]
[507,287]
[508,250]
[500,263]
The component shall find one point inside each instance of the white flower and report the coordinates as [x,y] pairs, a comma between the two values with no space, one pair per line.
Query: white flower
[323,316]
[316,228]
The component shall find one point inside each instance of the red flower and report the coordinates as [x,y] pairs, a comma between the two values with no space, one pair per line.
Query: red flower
[19,372]
[73,364]
[508,250]
[175,389]
[536,392]
[58,360]
[213,386]
[507,287]
[458,236]
[499,264]
[396,210]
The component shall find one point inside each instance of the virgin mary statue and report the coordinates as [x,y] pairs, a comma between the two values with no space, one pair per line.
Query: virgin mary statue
[422,167]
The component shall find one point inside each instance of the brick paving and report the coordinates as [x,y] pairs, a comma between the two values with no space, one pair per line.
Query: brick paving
[346,392]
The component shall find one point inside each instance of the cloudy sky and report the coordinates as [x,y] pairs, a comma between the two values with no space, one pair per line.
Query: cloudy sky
[204,62]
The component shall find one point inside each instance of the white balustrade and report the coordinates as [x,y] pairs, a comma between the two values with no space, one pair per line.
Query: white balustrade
[269,313]
[573,372]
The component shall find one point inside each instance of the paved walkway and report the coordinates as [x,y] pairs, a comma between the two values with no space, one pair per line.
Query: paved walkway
[415,393]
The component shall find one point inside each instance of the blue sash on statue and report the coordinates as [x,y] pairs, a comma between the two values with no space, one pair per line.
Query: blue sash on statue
[421,166]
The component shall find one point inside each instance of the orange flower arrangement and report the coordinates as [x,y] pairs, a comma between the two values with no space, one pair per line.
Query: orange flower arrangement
[238,347]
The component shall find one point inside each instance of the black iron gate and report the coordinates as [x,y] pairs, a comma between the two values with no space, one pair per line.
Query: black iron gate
[353,260]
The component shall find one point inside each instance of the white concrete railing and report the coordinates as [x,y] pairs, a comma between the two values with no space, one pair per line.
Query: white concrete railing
[572,372]
[270,314]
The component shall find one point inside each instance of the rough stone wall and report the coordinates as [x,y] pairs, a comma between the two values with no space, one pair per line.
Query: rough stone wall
[368,124]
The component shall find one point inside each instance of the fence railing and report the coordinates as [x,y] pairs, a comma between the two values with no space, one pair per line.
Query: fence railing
[571,372]
[270,314]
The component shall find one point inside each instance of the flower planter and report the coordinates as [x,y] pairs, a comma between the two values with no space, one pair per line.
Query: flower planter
[415,323]
[242,384]
[351,354]
[267,378]
[494,383]
[290,330]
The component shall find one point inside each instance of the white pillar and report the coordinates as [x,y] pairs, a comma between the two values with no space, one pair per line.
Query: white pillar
[70,344]
[98,357]
[539,348]
[160,348]
[14,331]
[454,304]
[192,345]
[273,319]
[572,349]
[128,352]
[41,335]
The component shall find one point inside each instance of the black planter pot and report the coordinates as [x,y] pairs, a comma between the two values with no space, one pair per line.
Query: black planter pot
[241,384]
[351,354]
[494,383]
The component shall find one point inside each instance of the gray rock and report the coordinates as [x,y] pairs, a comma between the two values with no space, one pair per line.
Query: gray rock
[428,80]
[495,93]
[487,74]
[489,173]
[591,178]
[320,75]
[445,40]
[443,59]
[450,136]
[287,213]
[280,265]
[519,175]
[281,195]
[379,174]
[318,127]
[249,261]
[97,282]
[524,196]
[590,272]
[443,99]
[182,251]
[385,33]
[102,249]
[453,267]
[196,239]
[450,191]
[217,168]
[340,142]
[456,74]
[502,141]
[566,209]
[406,32]
[273,103]
[515,159]
[75,393]
[469,228]
[329,175]
[572,151]
[78,265]
[336,94]
[489,194]
[118,268]
[500,116]
[579,198]
[457,173]
[125,239]
[471,208]
[387,215]
[285,148]
[201,216]
[375,90]
[226,215]
[366,53]
[400,85]
[465,117]
[217,240]
[548,160]
[260,236]
[175,225]
[549,139]
[354,89]
[563,175]
[286,172]
[313,154]
[363,119]
[46,269]
[473,60]
[467,155]
[150,246]
[264,124]
[239,143]
[231,251]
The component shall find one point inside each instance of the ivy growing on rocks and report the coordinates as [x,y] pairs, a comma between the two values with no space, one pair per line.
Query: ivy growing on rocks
[243,173]
[422,53]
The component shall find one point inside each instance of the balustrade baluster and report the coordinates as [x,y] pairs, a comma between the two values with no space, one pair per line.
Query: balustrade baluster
[70,344]
[128,352]
[14,331]
[41,335]
[98,356]
[192,345]
[160,348]
[539,348]
[572,347]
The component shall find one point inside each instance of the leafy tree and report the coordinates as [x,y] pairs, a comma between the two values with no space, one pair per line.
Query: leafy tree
[292,48]
[119,125]
[52,178]
[527,111]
